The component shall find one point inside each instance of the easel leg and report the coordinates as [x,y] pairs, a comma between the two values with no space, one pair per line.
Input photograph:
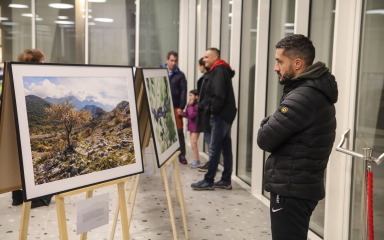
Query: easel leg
[182,202]
[89,194]
[162,169]
[174,183]
[123,211]
[61,219]
[133,200]
[153,160]
[130,188]
[127,184]
[115,220]
[25,214]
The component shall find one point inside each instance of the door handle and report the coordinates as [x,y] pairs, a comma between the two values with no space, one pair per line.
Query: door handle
[367,151]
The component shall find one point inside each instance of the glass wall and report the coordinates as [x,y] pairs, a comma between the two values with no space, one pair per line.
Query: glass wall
[247,88]
[60,31]
[112,26]
[369,128]
[209,24]
[159,31]
[321,25]
[226,27]
[282,19]
[15,28]
[321,33]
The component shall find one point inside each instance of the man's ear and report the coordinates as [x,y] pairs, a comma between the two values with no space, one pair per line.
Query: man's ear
[299,63]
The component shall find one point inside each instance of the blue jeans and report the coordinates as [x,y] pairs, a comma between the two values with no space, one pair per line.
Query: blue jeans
[207,139]
[220,142]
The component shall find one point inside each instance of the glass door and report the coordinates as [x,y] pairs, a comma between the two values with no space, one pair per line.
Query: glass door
[369,119]
[282,21]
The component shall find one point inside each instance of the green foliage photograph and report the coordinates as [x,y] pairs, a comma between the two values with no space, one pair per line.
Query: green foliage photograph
[163,123]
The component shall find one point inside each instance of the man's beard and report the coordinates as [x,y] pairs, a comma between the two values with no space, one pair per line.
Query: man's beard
[286,77]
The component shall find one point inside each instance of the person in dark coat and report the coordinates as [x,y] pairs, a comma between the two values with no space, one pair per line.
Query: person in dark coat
[178,85]
[217,109]
[200,128]
[299,136]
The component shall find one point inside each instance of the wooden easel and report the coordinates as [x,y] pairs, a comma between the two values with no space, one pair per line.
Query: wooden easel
[173,161]
[121,201]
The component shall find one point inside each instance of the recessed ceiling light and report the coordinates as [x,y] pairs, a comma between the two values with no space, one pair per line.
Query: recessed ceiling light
[62,17]
[14,5]
[3,18]
[9,23]
[27,15]
[97,1]
[64,22]
[106,20]
[60,5]
[375,11]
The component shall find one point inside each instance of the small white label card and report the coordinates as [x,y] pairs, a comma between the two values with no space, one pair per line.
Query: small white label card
[92,213]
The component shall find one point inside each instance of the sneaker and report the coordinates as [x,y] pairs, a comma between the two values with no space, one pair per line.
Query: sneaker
[223,185]
[182,160]
[202,185]
[194,164]
[204,168]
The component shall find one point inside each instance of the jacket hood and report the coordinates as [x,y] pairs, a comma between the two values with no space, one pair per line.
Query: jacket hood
[221,62]
[318,76]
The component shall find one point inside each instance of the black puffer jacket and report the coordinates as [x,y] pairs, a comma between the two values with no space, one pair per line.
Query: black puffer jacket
[216,97]
[300,135]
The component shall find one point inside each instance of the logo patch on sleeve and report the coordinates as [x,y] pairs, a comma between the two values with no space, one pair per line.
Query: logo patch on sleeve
[284,110]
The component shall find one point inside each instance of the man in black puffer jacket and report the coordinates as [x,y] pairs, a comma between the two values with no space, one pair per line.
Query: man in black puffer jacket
[299,136]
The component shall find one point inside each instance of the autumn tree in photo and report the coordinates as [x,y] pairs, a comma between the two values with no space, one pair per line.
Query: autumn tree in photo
[64,113]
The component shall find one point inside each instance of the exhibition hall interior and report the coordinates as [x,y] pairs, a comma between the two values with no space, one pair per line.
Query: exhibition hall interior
[91,145]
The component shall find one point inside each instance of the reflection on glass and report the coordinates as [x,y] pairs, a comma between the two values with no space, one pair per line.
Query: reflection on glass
[226,27]
[321,33]
[247,87]
[209,24]
[159,31]
[60,31]
[321,29]
[282,19]
[112,27]
[370,115]
[15,29]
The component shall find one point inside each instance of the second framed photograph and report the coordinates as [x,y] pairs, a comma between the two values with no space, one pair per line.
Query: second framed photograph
[162,114]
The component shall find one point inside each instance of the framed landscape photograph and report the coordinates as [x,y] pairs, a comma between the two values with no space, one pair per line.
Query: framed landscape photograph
[76,125]
[163,122]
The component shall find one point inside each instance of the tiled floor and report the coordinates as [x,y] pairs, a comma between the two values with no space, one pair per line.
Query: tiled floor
[219,214]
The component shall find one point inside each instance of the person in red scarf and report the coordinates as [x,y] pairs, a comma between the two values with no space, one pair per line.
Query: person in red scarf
[217,109]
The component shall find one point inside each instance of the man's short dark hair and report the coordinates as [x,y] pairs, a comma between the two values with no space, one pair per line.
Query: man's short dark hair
[172,53]
[217,51]
[298,46]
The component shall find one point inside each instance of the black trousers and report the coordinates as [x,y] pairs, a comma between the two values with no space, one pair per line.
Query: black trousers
[180,132]
[290,217]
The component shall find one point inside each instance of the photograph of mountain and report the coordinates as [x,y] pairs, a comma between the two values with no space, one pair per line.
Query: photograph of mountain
[81,124]
[162,114]
[69,136]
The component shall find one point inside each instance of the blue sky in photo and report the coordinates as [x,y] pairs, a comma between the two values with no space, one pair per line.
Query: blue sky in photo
[108,91]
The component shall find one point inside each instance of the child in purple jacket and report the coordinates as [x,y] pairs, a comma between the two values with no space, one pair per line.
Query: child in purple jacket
[191,115]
